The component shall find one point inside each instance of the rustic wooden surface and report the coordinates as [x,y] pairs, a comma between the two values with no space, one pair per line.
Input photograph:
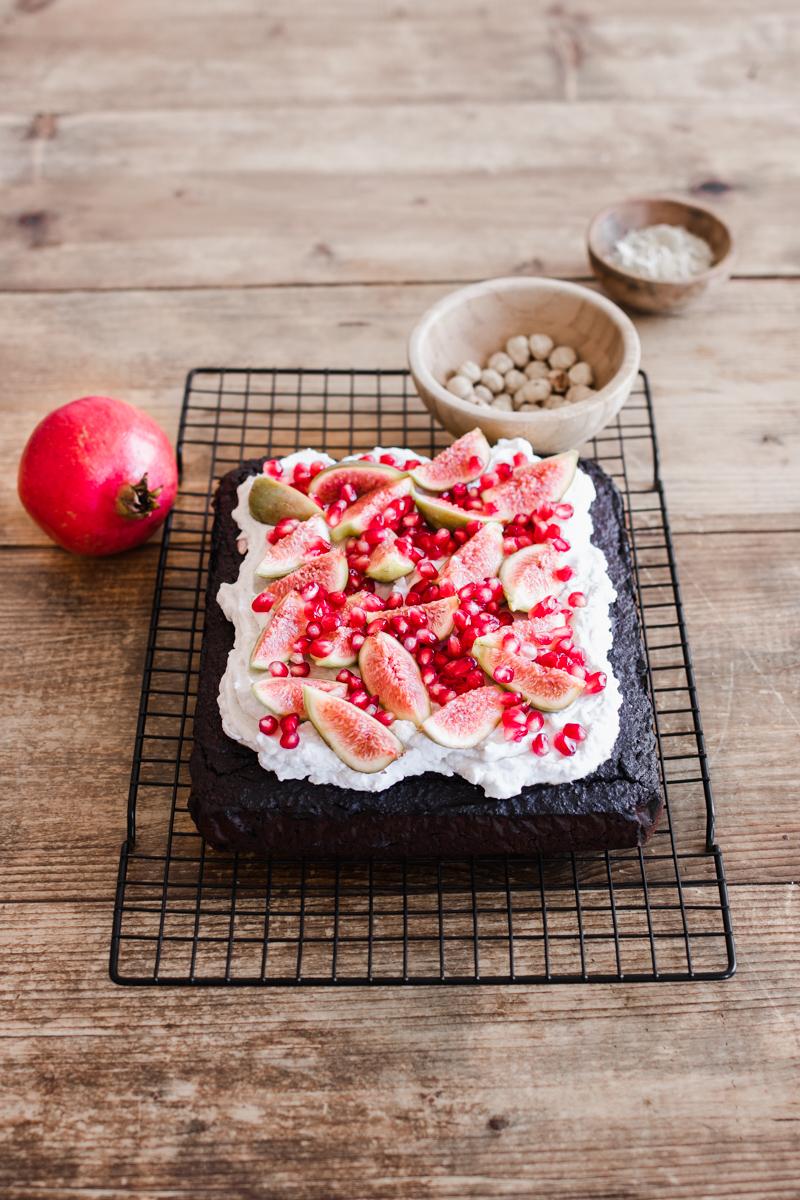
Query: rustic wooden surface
[282,183]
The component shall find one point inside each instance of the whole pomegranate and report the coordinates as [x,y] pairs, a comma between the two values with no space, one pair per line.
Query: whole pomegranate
[98,476]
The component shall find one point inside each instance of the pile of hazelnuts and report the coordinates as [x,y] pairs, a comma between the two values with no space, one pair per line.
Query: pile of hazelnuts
[531,372]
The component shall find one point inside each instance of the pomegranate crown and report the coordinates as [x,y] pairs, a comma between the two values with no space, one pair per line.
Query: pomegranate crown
[137,500]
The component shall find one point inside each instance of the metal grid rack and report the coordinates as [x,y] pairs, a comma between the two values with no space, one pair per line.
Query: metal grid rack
[186,914]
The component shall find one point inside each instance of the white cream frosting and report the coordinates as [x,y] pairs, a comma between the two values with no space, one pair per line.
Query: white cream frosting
[499,767]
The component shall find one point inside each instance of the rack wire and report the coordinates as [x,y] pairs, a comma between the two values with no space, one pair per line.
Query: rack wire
[186,914]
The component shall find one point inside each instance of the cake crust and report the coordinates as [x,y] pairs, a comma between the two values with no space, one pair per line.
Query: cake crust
[238,805]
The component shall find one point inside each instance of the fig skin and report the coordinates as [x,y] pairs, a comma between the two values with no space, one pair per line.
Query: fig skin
[98,476]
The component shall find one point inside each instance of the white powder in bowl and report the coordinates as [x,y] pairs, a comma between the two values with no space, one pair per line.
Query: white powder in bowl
[668,253]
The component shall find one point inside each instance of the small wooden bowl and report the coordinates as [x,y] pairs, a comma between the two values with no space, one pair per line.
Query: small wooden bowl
[475,321]
[650,295]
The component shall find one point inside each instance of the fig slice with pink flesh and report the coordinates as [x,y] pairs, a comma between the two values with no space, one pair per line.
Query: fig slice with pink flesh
[361,742]
[465,722]
[462,462]
[391,673]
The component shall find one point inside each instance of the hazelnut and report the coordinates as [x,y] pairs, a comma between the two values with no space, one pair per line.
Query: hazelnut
[562,358]
[482,395]
[459,386]
[504,402]
[540,345]
[559,380]
[579,391]
[581,373]
[556,401]
[514,381]
[533,392]
[500,362]
[518,350]
[470,370]
[492,380]
[537,370]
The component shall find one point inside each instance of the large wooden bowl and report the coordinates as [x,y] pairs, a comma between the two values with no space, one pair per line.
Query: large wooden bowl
[474,321]
[649,295]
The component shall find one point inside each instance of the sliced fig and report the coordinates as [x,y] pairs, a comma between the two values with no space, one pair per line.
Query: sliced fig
[531,485]
[388,562]
[438,612]
[286,624]
[391,674]
[462,462]
[360,741]
[284,696]
[538,633]
[527,576]
[547,688]
[477,559]
[272,501]
[464,722]
[289,553]
[444,515]
[357,517]
[329,570]
[362,476]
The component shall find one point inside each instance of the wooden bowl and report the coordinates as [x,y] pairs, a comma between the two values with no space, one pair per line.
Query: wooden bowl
[651,295]
[475,321]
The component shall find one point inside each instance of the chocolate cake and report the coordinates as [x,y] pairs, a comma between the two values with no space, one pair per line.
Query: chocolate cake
[238,805]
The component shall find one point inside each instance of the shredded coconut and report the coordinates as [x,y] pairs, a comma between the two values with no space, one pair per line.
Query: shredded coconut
[668,253]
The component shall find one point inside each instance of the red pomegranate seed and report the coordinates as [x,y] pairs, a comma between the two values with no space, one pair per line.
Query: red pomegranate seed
[519,459]
[278,669]
[263,602]
[301,645]
[333,516]
[428,676]
[453,646]
[535,720]
[503,674]
[545,607]
[514,716]
[426,637]
[511,643]
[504,471]
[320,647]
[344,676]
[475,679]
[564,645]
[564,745]
[310,591]
[510,699]
[576,600]
[575,732]
[563,511]
[549,659]
[359,698]
[595,682]
[410,644]
[348,493]
[577,670]
[388,460]
[385,718]
[290,741]
[426,569]
[440,659]
[268,725]
[273,467]
[410,463]
[560,544]
[505,617]
[425,656]
[460,620]
[400,626]
[290,722]
[300,669]
[394,600]
[357,641]
[540,745]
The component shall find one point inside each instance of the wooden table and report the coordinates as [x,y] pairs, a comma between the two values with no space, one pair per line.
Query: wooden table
[245,183]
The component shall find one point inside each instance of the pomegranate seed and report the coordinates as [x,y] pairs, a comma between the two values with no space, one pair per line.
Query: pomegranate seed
[426,569]
[385,718]
[357,641]
[535,720]
[363,546]
[290,741]
[278,669]
[295,657]
[286,526]
[453,646]
[595,682]
[511,643]
[576,600]
[519,459]
[505,617]
[301,645]
[400,626]
[310,591]
[540,745]
[428,676]
[333,517]
[330,622]
[475,679]
[344,676]
[545,607]
[394,600]
[460,620]
[577,670]
[510,545]
[378,625]
[467,591]
[545,511]
[510,699]
[410,463]
[488,481]
[564,645]
[290,722]
[563,744]
[359,698]
[563,511]
[348,493]
[320,647]
[388,460]
[575,732]
[503,674]
[514,716]
[550,659]
[268,725]
[460,536]
[273,467]
[446,695]
[425,656]
[504,471]
[263,602]
[313,629]
[560,544]
[410,644]
[300,669]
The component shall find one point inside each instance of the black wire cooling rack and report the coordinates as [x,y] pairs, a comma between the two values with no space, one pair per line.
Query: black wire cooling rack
[188,915]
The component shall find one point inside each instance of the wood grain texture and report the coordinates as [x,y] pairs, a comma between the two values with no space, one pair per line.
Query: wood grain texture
[325,193]
[727,366]
[396,1094]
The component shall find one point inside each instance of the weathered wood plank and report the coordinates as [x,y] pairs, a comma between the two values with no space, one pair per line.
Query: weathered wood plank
[338,193]
[455,1093]
[62,830]
[230,53]
[729,365]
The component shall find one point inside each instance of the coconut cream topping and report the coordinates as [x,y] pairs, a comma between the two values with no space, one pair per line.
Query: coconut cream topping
[500,768]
